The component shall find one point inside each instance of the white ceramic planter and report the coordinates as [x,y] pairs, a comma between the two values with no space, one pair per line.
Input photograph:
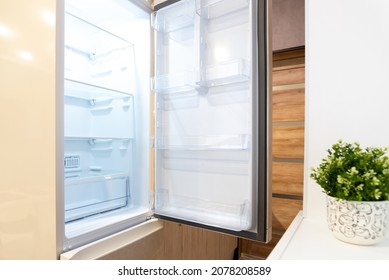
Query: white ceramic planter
[358,222]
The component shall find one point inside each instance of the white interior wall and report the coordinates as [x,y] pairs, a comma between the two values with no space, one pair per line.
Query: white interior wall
[347,69]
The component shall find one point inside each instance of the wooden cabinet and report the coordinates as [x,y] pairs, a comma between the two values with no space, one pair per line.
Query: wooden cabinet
[192,243]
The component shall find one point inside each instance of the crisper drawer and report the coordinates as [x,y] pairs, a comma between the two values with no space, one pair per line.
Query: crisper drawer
[90,193]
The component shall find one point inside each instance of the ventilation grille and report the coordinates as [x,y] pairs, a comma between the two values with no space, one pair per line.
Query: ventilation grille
[72,162]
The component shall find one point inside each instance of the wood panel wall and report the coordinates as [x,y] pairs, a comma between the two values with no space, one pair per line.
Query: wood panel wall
[288,97]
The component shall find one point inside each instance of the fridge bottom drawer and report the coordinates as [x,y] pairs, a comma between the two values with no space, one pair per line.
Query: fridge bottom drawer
[89,196]
[132,239]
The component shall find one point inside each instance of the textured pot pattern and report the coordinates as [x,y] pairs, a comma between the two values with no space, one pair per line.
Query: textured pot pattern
[358,222]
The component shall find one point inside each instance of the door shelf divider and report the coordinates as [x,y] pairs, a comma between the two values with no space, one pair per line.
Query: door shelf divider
[211,9]
[230,216]
[206,142]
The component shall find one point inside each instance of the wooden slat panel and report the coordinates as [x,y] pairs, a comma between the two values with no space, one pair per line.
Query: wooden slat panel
[287,178]
[288,141]
[173,241]
[293,57]
[288,105]
[257,250]
[200,244]
[183,242]
[288,75]
[284,211]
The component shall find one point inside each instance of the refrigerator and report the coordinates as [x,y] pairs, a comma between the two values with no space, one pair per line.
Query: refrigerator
[166,117]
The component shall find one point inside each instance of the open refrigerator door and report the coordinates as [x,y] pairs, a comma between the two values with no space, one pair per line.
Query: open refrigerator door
[211,129]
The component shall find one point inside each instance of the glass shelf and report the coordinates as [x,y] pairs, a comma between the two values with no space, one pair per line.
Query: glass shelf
[209,142]
[92,93]
[95,55]
[91,175]
[230,216]
[91,111]
[211,9]
[229,72]
[94,140]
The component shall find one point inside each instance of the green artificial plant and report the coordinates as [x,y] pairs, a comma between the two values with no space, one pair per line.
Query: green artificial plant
[354,174]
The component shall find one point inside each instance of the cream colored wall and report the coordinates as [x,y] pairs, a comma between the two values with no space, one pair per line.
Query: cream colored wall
[27,129]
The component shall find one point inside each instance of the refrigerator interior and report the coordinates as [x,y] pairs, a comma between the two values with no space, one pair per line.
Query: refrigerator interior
[106,118]
[203,127]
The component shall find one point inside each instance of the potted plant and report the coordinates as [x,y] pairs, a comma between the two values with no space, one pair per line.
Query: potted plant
[356,182]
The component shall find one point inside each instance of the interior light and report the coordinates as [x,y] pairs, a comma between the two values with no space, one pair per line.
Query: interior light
[5,31]
[49,17]
[25,55]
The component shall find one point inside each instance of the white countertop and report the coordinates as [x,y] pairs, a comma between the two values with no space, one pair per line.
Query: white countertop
[310,239]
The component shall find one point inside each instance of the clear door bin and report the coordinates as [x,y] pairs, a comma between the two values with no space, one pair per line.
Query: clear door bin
[206,142]
[230,216]
[94,192]
[211,9]
[175,18]
[229,72]
[174,84]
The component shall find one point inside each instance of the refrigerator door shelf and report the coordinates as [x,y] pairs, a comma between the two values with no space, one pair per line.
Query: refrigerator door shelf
[206,142]
[231,216]
[178,16]
[211,9]
[226,163]
[226,73]
[177,84]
